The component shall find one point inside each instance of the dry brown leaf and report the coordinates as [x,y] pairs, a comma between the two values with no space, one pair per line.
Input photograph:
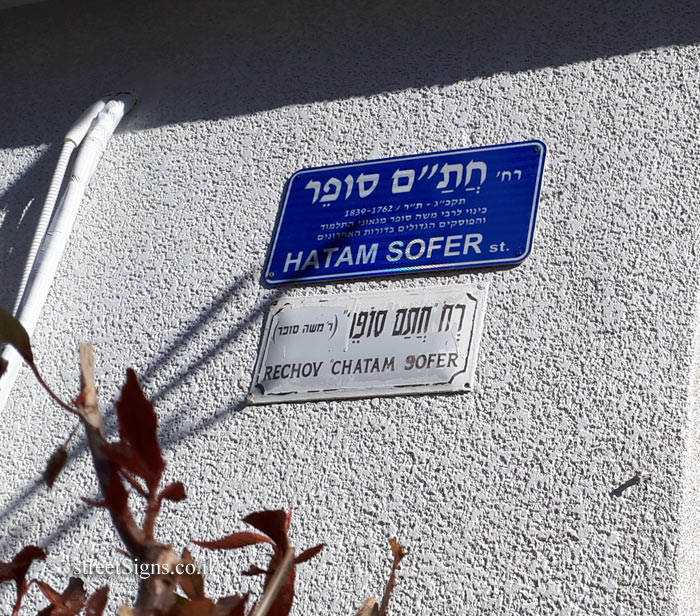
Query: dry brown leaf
[369,608]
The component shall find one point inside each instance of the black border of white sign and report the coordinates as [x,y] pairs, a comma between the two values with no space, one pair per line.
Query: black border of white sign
[355,345]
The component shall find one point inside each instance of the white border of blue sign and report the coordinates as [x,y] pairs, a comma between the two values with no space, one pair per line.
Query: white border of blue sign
[273,280]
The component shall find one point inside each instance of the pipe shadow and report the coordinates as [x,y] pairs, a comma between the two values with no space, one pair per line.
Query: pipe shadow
[229,296]
[214,350]
[191,63]
[20,207]
[205,316]
[169,436]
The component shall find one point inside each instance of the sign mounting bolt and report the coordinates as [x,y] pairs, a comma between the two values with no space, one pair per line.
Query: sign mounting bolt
[271,275]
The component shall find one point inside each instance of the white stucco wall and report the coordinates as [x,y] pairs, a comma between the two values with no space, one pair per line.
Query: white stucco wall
[503,495]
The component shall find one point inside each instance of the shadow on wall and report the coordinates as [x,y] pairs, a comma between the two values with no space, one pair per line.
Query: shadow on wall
[217,58]
[21,204]
[168,431]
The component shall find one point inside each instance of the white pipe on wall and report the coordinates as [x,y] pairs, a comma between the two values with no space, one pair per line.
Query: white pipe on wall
[72,140]
[54,241]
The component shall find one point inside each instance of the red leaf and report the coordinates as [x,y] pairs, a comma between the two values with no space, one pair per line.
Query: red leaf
[254,570]
[197,607]
[55,465]
[309,554]
[192,584]
[97,602]
[174,492]
[273,524]
[17,570]
[117,500]
[13,333]
[74,596]
[68,603]
[122,455]
[22,561]
[231,606]
[52,595]
[138,425]
[234,541]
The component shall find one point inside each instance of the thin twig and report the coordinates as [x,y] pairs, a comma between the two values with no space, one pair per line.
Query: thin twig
[88,389]
[152,511]
[278,580]
[54,397]
[399,553]
[133,483]
[156,594]
[90,414]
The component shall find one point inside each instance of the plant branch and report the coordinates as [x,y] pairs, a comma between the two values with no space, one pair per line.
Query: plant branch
[152,511]
[90,414]
[156,593]
[399,553]
[133,483]
[278,580]
[54,397]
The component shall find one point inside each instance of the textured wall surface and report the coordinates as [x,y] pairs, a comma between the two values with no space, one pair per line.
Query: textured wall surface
[584,376]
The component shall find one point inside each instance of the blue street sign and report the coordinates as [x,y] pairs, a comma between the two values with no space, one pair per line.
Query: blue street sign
[463,208]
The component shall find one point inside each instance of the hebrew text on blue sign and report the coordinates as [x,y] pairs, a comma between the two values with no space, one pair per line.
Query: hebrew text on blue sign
[446,210]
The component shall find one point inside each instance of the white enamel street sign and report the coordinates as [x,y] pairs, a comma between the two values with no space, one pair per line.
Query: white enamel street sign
[370,344]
